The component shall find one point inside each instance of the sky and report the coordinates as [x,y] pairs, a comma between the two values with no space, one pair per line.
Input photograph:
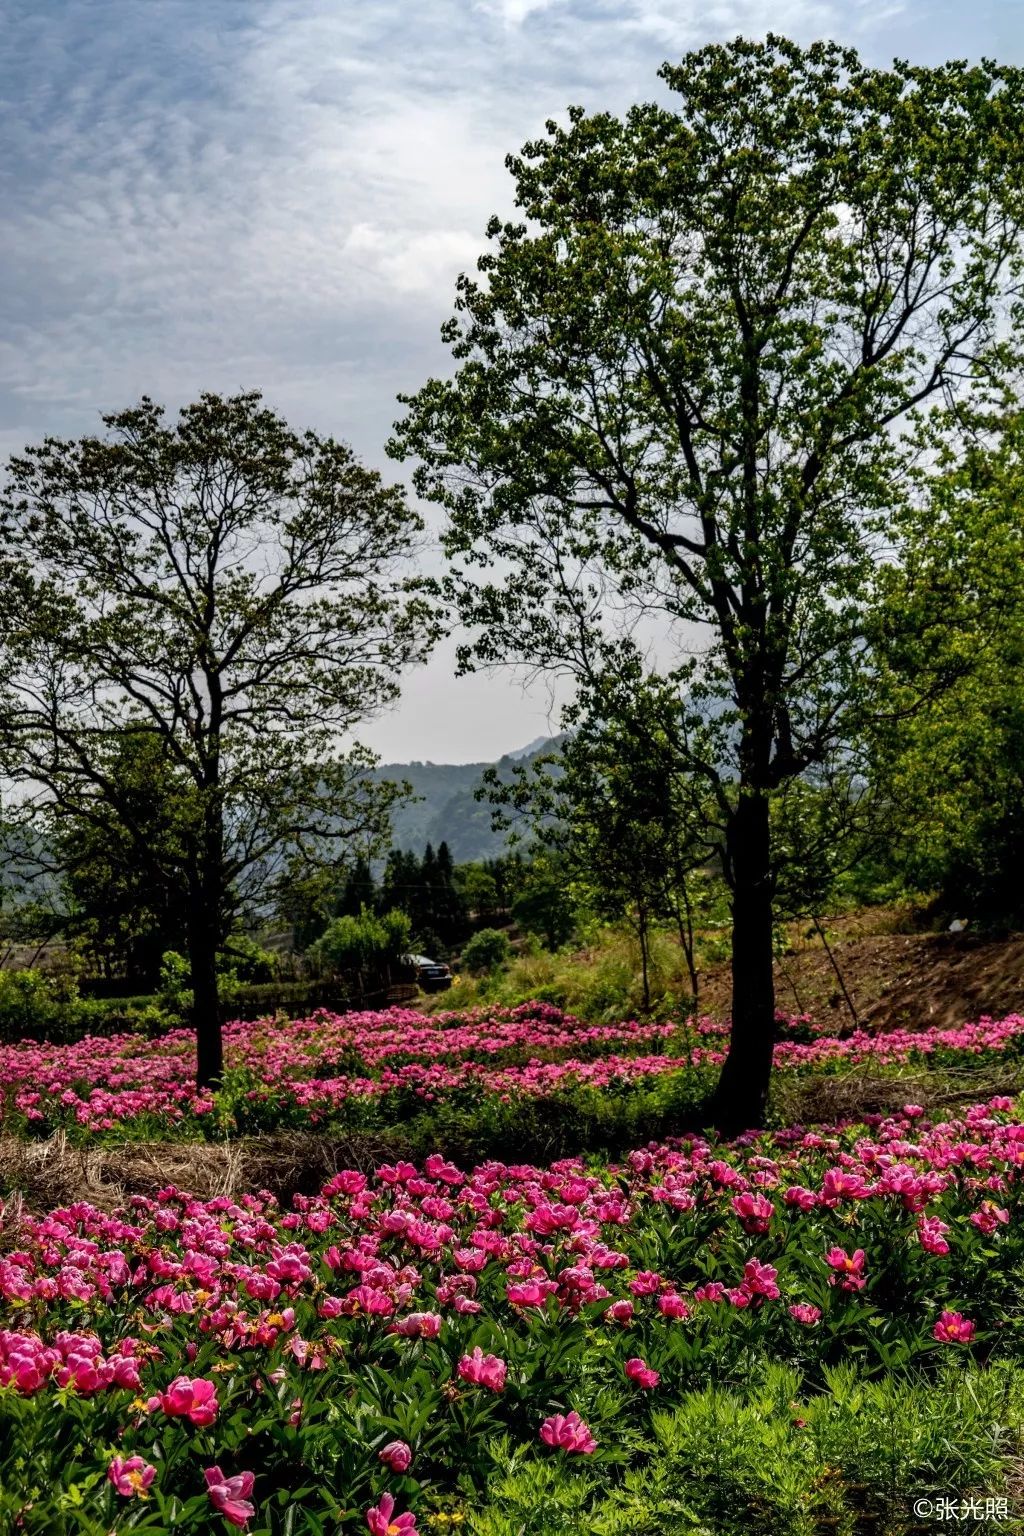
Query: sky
[280,194]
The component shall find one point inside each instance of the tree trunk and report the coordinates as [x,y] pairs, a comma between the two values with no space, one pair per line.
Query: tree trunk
[741,1097]
[684,922]
[642,930]
[202,954]
[209,890]
[206,1013]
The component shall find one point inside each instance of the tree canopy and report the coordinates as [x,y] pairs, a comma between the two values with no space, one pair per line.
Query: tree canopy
[672,442]
[947,753]
[233,591]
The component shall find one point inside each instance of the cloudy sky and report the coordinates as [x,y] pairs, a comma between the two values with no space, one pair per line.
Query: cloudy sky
[224,194]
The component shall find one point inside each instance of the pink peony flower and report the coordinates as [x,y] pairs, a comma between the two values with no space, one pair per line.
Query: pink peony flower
[671,1304]
[759,1279]
[396,1455]
[989,1217]
[418,1325]
[187,1399]
[639,1371]
[569,1433]
[532,1293]
[131,1476]
[849,1268]
[383,1521]
[754,1211]
[953,1328]
[805,1313]
[931,1234]
[230,1495]
[483,1370]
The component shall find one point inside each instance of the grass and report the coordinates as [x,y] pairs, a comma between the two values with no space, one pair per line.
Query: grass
[600,981]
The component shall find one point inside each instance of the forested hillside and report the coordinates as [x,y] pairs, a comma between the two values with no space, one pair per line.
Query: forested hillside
[445,808]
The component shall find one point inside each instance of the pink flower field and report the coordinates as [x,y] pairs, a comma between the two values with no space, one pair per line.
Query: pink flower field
[394,1353]
[377,1068]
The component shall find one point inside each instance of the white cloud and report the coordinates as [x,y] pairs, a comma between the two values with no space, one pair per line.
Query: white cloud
[407,262]
[514,12]
[280,193]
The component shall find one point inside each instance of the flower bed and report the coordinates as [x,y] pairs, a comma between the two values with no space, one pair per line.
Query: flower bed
[426,1348]
[378,1069]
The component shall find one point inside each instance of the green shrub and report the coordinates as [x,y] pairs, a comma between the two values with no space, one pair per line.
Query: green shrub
[774,1456]
[175,989]
[363,943]
[485,952]
[27,1003]
[599,981]
[246,962]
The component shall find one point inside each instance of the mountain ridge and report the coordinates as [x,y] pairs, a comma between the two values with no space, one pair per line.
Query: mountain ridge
[446,810]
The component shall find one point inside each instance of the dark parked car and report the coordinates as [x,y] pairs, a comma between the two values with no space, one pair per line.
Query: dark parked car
[431,975]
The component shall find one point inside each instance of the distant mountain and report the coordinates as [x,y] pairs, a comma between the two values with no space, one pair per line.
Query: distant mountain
[539,744]
[446,810]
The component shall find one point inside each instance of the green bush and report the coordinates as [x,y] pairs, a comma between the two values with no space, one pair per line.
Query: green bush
[36,1006]
[363,943]
[486,951]
[175,989]
[33,1006]
[600,981]
[27,1003]
[780,1456]
[245,962]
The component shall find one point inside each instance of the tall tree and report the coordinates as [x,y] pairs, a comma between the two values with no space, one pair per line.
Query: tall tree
[671,441]
[359,890]
[949,758]
[232,589]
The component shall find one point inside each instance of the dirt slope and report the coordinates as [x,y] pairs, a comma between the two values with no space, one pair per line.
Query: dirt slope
[896,980]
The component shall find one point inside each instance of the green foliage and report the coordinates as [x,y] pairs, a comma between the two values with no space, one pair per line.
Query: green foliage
[952,612]
[245,961]
[479,890]
[777,1458]
[175,981]
[602,979]
[35,1005]
[627,831]
[486,951]
[544,906]
[28,1004]
[307,895]
[428,891]
[230,591]
[677,377]
[126,911]
[365,943]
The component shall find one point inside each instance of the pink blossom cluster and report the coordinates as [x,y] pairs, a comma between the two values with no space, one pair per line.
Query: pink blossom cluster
[413,1248]
[313,1064]
[175,1318]
[74,1360]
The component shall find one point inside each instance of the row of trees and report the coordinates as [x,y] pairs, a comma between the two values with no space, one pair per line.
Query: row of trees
[444,901]
[733,398]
